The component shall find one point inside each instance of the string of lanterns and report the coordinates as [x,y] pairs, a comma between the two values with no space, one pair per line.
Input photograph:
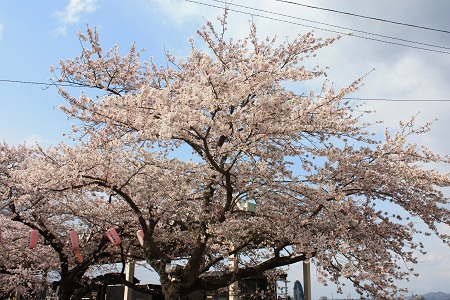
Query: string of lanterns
[111,234]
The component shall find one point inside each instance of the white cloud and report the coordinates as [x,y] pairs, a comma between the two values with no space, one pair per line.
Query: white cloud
[1,31]
[73,11]
[180,12]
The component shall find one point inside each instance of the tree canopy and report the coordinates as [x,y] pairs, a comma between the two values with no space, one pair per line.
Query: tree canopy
[182,151]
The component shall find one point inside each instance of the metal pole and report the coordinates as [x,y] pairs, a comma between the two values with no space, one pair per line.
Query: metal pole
[307,279]
[129,276]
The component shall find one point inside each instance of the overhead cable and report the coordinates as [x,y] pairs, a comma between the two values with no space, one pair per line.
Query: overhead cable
[365,17]
[328,30]
[331,25]
[47,85]
[347,98]
[397,100]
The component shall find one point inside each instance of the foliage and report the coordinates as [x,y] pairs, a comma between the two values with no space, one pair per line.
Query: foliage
[179,150]
[23,206]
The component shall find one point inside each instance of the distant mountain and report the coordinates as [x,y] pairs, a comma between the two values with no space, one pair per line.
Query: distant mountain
[427,296]
[436,296]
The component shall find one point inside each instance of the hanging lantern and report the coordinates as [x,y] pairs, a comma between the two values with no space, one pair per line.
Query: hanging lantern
[140,236]
[113,237]
[33,238]
[74,242]
[74,239]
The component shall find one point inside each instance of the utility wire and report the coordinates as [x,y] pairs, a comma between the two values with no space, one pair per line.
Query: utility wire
[399,100]
[318,28]
[365,17]
[347,98]
[331,25]
[42,83]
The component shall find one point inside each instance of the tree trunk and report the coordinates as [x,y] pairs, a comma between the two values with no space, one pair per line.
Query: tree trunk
[175,292]
[65,294]
[67,288]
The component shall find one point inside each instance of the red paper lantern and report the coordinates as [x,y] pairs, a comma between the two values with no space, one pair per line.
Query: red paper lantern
[140,236]
[113,237]
[33,238]
[74,239]
[74,242]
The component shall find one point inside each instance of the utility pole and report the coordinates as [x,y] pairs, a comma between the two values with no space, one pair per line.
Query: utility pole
[129,276]
[233,289]
[307,279]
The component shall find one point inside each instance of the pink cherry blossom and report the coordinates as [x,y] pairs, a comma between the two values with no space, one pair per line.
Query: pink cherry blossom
[182,152]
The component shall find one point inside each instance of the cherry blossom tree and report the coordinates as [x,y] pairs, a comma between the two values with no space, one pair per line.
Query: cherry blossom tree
[20,270]
[231,170]
[53,215]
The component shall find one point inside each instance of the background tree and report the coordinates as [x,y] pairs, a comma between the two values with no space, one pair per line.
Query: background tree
[24,207]
[189,145]
[22,270]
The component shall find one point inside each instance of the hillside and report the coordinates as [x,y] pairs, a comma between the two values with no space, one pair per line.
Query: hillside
[436,296]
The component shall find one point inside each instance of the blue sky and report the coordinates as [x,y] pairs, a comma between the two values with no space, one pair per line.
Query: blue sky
[35,34]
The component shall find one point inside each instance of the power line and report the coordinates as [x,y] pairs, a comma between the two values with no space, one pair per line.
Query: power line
[42,83]
[318,28]
[365,17]
[331,25]
[346,98]
[397,100]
